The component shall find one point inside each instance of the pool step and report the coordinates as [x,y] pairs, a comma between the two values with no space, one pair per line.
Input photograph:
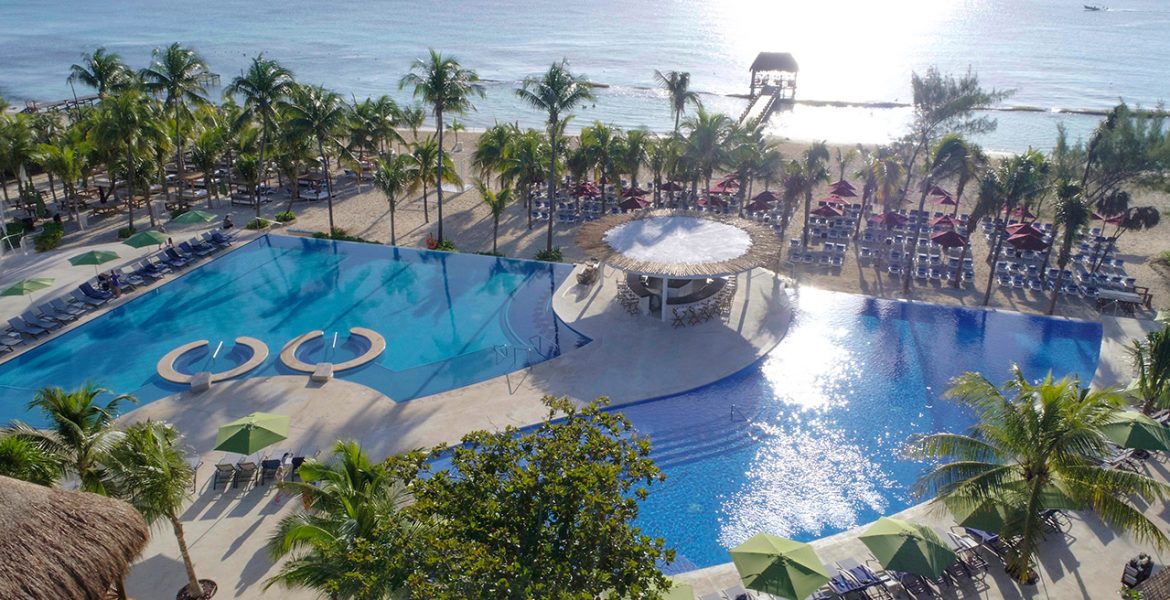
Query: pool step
[704,448]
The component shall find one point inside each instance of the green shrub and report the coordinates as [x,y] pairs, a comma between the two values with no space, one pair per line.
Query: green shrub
[257,224]
[1164,258]
[15,228]
[126,232]
[176,212]
[553,255]
[490,253]
[446,246]
[49,237]
[286,216]
[340,235]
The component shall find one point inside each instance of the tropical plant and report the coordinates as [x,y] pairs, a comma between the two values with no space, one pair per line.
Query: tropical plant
[16,147]
[599,149]
[263,87]
[706,143]
[318,113]
[21,458]
[103,71]
[128,125]
[804,176]
[1014,183]
[422,169]
[206,152]
[556,93]
[149,469]
[1115,205]
[447,87]
[177,74]
[496,203]
[1151,361]
[491,151]
[632,152]
[946,159]
[677,86]
[880,173]
[1035,447]
[79,434]
[68,160]
[392,177]
[1072,215]
[524,163]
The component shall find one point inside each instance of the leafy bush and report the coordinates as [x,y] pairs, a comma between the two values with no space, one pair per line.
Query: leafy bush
[1164,258]
[257,224]
[340,235]
[49,237]
[176,212]
[15,228]
[286,216]
[553,255]
[490,253]
[446,246]
[126,232]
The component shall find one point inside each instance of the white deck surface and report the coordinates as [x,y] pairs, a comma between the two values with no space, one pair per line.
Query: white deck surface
[679,240]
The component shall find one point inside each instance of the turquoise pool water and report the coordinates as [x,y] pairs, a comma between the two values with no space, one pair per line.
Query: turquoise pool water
[806,442]
[449,319]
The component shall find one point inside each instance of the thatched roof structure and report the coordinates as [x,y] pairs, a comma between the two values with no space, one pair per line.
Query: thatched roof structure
[57,544]
[763,250]
[775,61]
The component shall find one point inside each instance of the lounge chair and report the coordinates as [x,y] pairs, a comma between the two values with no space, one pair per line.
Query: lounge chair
[738,593]
[210,239]
[226,474]
[71,309]
[171,259]
[131,277]
[269,470]
[177,254]
[157,271]
[60,316]
[294,474]
[246,472]
[91,292]
[187,248]
[86,300]
[18,324]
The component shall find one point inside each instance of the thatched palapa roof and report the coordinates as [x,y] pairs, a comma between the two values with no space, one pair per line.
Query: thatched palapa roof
[57,544]
[775,61]
[763,250]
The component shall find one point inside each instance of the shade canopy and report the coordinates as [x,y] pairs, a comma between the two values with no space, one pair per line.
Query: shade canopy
[944,221]
[766,196]
[1023,213]
[93,257]
[946,201]
[828,210]
[1025,241]
[146,238]
[27,286]
[725,187]
[779,566]
[1132,429]
[949,239]
[1024,228]
[758,206]
[679,244]
[679,591]
[775,61]
[712,201]
[904,546]
[194,217]
[991,513]
[630,192]
[633,203]
[834,199]
[252,433]
[671,186]
[890,219]
[63,544]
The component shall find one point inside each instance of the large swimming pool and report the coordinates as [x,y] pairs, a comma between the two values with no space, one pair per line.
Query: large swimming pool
[449,319]
[805,443]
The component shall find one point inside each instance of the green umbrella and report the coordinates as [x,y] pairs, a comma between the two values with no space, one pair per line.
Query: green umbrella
[680,591]
[903,546]
[146,238]
[194,217]
[27,286]
[1132,429]
[779,566]
[251,433]
[94,257]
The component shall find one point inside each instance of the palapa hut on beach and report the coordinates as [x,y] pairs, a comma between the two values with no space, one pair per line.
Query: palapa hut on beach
[57,544]
[774,72]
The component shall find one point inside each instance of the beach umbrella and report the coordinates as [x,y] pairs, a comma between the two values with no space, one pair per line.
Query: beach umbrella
[1132,429]
[633,203]
[946,201]
[904,546]
[94,257]
[890,219]
[833,200]
[27,287]
[671,186]
[779,566]
[680,591]
[949,239]
[252,433]
[194,217]
[631,192]
[1023,213]
[1025,241]
[56,543]
[725,187]
[828,210]
[842,185]
[712,201]
[758,206]
[991,513]
[843,192]
[944,221]
[766,196]
[1025,229]
[146,238]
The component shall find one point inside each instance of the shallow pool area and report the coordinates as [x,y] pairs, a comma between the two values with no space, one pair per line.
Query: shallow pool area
[806,442]
[449,320]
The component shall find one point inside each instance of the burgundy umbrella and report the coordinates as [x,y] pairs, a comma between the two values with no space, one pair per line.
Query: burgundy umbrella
[766,196]
[712,201]
[937,191]
[629,192]
[949,239]
[1024,241]
[1024,229]
[671,186]
[946,201]
[890,219]
[758,206]
[725,187]
[828,210]
[633,203]
[1113,220]
[841,184]
[944,221]
[834,200]
[1023,213]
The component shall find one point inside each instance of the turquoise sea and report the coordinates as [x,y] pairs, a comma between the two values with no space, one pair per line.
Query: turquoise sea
[1053,53]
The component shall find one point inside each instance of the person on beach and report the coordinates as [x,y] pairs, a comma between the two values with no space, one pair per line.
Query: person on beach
[227,222]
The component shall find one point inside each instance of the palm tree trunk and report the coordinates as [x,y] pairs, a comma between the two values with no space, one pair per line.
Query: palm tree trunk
[917,237]
[991,260]
[194,588]
[495,232]
[328,182]
[52,185]
[260,167]
[120,588]
[807,208]
[959,267]
[179,166]
[129,187]
[207,188]
[426,211]
[439,173]
[552,182]
[393,239]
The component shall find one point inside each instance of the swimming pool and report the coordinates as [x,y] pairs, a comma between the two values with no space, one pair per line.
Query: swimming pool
[449,319]
[805,443]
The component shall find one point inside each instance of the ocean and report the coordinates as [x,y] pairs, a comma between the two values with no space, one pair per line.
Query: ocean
[1053,53]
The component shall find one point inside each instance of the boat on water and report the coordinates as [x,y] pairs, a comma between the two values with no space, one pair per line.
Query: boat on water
[1093,7]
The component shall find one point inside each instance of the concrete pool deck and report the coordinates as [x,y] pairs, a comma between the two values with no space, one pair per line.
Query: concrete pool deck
[630,358]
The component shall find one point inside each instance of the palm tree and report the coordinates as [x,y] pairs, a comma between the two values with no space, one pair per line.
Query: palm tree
[21,458]
[491,150]
[16,148]
[422,169]
[600,145]
[206,152]
[69,161]
[447,87]
[496,203]
[177,74]
[1151,360]
[1016,181]
[392,178]
[150,471]
[804,176]
[632,153]
[263,86]
[1034,442]
[524,164]
[556,93]
[318,113]
[103,71]
[349,499]
[706,143]
[677,86]
[80,432]
[127,122]
[1072,214]
[413,117]
[947,157]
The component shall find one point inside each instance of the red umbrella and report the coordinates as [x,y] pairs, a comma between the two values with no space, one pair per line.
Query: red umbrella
[671,186]
[766,196]
[944,221]
[1115,219]
[890,219]
[828,210]
[1023,241]
[937,191]
[758,206]
[949,239]
[841,184]
[626,193]
[833,200]
[1024,229]
[725,187]
[946,201]
[1023,213]
[712,201]
[633,203]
